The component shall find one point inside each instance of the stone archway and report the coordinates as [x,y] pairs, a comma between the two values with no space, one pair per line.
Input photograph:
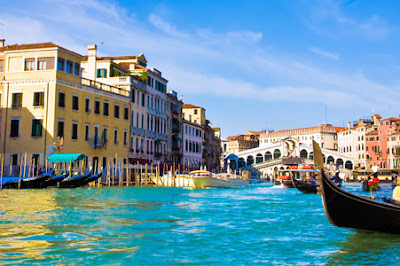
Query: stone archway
[241,162]
[330,160]
[303,154]
[348,165]
[339,162]
[268,156]
[277,153]
[259,158]
[250,160]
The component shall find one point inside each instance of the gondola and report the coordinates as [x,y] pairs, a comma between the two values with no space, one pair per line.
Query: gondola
[29,182]
[74,181]
[304,187]
[344,209]
[93,177]
[365,186]
[55,179]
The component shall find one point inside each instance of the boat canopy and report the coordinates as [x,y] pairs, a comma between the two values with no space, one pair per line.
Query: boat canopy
[66,157]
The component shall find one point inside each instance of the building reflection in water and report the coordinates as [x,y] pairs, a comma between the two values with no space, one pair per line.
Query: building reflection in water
[24,216]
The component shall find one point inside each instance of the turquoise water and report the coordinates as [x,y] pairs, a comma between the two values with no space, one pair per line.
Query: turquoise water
[178,226]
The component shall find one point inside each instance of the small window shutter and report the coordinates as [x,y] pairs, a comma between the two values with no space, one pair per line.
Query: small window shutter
[98,73]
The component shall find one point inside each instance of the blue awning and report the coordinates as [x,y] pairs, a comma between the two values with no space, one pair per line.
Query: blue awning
[65,157]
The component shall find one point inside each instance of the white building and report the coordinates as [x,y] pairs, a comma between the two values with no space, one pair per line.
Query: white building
[324,135]
[192,144]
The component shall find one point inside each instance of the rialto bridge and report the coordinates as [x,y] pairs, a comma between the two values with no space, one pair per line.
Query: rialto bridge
[268,160]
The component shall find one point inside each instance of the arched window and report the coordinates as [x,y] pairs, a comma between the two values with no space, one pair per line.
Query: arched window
[250,160]
[259,158]
[330,159]
[277,154]
[339,162]
[349,165]
[303,154]
[268,156]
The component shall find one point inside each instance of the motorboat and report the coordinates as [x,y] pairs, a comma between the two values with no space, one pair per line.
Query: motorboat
[206,179]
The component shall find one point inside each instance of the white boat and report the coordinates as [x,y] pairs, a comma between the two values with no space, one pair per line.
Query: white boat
[206,179]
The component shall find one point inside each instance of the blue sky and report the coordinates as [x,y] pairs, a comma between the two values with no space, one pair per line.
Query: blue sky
[251,64]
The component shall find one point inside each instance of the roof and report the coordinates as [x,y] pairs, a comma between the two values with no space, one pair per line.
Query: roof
[29,46]
[248,133]
[122,57]
[188,105]
[375,132]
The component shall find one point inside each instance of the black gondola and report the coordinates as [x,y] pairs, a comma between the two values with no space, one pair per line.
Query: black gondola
[365,186]
[30,182]
[300,184]
[344,209]
[55,179]
[74,181]
[93,177]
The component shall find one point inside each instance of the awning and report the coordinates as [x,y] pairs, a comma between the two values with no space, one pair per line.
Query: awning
[177,138]
[66,157]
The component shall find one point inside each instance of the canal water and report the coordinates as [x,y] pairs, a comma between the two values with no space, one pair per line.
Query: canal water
[178,226]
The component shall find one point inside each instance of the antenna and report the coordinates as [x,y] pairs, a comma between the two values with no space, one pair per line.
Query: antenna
[326,114]
[2,24]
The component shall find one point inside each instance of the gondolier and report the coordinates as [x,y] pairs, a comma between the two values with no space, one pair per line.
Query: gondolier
[375,169]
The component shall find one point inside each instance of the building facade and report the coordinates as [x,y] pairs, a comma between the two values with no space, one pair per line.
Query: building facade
[49,108]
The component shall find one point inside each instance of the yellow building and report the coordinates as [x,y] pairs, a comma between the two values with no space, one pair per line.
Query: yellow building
[194,113]
[49,108]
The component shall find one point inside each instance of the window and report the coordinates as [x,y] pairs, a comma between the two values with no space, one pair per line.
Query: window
[77,69]
[74,130]
[87,132]
[102,73]
[142,99]
[17,100]
[14,128]
[1,65]
[97,106]
[116,110]
[61,99]
[105,108]
[125,137]
[60,128]
[75,102]
[45,63]
[115,136]
[69,67]
[36,127]
[29,64]
[126,113]
[87,105]
[195,111]
[132,94]
[104,137]
[60,64]
[38,99]
[14,159]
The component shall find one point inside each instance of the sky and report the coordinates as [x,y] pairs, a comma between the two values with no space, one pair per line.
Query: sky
[253,65]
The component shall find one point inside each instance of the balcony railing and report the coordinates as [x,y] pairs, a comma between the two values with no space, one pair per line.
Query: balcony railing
[97,142]
[104,87]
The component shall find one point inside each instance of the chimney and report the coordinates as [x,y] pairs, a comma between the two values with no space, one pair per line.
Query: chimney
[349,125]
[92,50]
[2,41]
[91,63]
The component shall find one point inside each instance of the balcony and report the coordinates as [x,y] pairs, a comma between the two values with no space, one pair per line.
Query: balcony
[104,87]
[97,142]
[137,131]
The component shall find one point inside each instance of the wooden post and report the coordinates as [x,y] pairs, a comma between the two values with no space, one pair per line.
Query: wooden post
[2,168]
[145,174]
[109,174]
[158,174]
[45,162]
[127,173]
[20,172]
[120,174]
[70,167]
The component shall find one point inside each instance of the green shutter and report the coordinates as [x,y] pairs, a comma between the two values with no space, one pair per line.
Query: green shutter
[98,73]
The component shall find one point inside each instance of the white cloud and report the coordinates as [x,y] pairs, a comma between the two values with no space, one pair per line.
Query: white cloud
[166,27]
[330,55]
